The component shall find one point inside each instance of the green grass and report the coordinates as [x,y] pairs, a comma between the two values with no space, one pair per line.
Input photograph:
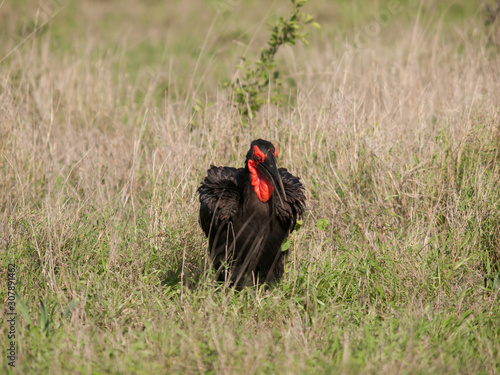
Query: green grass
[396,267]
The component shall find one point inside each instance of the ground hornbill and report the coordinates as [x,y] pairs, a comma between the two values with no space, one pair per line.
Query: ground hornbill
[247,213]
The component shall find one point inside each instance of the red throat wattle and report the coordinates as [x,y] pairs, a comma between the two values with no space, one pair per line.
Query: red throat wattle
[261,185]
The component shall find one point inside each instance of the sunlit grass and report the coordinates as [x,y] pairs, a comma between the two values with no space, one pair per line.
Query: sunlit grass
[101,154]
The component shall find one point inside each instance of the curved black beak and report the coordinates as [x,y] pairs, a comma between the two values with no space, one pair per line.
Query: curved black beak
[270,170]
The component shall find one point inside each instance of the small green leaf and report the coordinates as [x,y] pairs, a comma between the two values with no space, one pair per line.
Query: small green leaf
[43,319]
[322,223]
[298,224]
[286,245]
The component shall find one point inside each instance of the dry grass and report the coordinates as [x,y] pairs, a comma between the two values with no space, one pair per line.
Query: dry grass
[396,143]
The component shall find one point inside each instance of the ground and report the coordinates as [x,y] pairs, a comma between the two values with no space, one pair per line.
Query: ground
[112,111]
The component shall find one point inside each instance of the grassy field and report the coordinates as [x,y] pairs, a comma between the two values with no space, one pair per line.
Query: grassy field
[394,130]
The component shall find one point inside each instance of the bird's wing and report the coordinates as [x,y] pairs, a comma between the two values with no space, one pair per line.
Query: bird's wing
[295,200]
[219,197]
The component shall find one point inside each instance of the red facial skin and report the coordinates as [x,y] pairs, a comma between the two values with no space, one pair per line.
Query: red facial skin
[257,153]
[261,185]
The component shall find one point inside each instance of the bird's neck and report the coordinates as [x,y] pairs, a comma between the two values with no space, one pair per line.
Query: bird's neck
[261,185]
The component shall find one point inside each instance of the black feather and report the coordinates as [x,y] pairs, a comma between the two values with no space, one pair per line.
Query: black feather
[295,200]
[219,196]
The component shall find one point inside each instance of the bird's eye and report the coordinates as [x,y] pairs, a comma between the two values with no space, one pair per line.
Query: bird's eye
[258,155]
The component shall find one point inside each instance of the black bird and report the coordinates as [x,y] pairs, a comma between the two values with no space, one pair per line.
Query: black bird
[247,213]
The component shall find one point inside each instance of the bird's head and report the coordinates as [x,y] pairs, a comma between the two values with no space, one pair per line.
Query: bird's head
[261,163]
